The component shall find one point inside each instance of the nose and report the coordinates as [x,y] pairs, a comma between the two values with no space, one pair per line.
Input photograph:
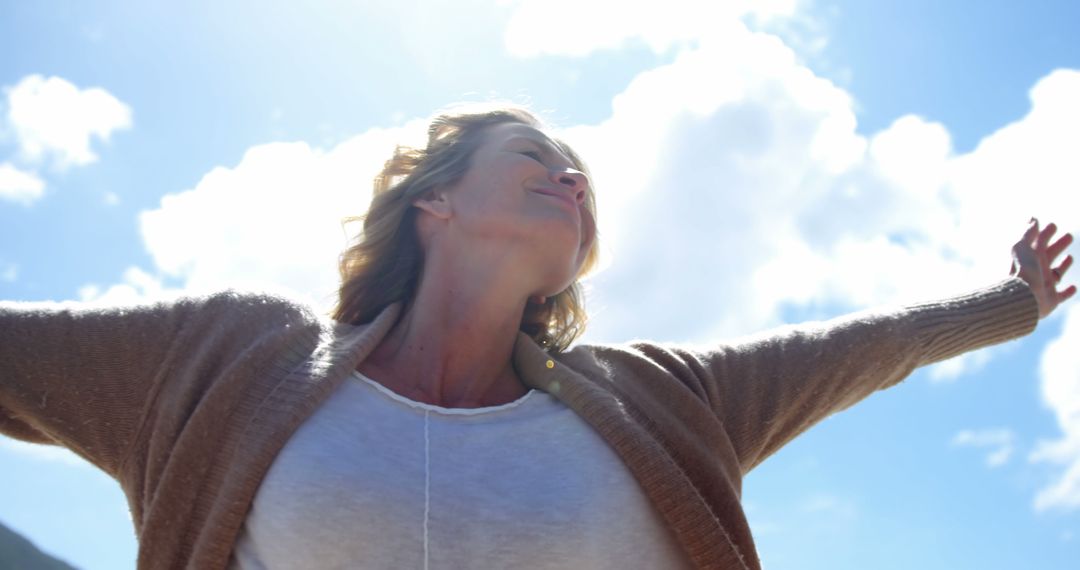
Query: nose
[573,181]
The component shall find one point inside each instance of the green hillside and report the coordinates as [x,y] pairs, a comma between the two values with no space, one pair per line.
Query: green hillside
[17,553]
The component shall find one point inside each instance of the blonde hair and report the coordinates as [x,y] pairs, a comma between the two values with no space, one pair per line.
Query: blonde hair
[384,264]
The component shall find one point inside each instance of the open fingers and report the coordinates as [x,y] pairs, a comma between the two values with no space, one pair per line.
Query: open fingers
[1061,269]
[1058,246]
[1064,295]
[1045,235]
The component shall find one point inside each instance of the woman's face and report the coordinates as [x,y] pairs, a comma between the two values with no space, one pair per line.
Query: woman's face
[523,193]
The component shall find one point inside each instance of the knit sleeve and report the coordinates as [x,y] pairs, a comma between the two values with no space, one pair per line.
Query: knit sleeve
[770,388]
[82,376]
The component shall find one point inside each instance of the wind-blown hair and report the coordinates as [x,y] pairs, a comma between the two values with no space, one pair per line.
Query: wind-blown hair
[384,263]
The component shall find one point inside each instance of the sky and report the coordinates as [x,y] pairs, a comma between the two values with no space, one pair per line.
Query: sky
[756,164]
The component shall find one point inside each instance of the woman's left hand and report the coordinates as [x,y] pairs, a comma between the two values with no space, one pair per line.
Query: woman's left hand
[1033,259]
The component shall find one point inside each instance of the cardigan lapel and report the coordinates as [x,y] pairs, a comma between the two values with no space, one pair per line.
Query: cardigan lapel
[320,358]
[703,537]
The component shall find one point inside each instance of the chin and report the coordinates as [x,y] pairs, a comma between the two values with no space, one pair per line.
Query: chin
[559,281]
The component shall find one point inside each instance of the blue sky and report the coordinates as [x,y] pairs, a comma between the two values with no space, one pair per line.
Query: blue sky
[755,166]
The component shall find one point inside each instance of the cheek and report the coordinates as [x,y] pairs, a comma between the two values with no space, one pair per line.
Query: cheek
[484,197]
[501,184]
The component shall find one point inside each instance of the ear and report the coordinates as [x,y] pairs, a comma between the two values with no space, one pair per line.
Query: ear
[436,202]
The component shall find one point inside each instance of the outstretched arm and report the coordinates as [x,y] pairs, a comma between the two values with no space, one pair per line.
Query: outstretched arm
[80,376]
[771,389]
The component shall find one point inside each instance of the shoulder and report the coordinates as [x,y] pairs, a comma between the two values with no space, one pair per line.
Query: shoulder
[253,303]
[250,311]
[633,358]
[635,351]
[228,300]
[220,310]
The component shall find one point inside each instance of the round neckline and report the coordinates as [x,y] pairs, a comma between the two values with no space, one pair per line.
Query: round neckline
[440,409]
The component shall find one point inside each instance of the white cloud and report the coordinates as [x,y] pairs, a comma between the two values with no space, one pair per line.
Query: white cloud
[750,171]
[1060,371]
[54,118]
[19,186]
[1027,166]
[272,221]
[913,154]
[1001,440]
[137,285]
[954,368]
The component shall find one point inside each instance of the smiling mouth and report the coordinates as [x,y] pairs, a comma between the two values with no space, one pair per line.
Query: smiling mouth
[562,197]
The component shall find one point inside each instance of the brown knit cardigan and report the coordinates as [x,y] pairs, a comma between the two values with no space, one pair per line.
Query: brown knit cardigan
[187,403]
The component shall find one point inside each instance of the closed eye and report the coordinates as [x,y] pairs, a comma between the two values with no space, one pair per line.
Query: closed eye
[533,154]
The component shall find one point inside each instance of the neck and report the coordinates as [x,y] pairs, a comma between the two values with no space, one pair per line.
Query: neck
[453,346]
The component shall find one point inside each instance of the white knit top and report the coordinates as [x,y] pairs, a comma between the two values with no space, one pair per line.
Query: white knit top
[376,480]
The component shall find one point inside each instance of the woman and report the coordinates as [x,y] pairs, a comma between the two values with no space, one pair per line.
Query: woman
[441,420]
